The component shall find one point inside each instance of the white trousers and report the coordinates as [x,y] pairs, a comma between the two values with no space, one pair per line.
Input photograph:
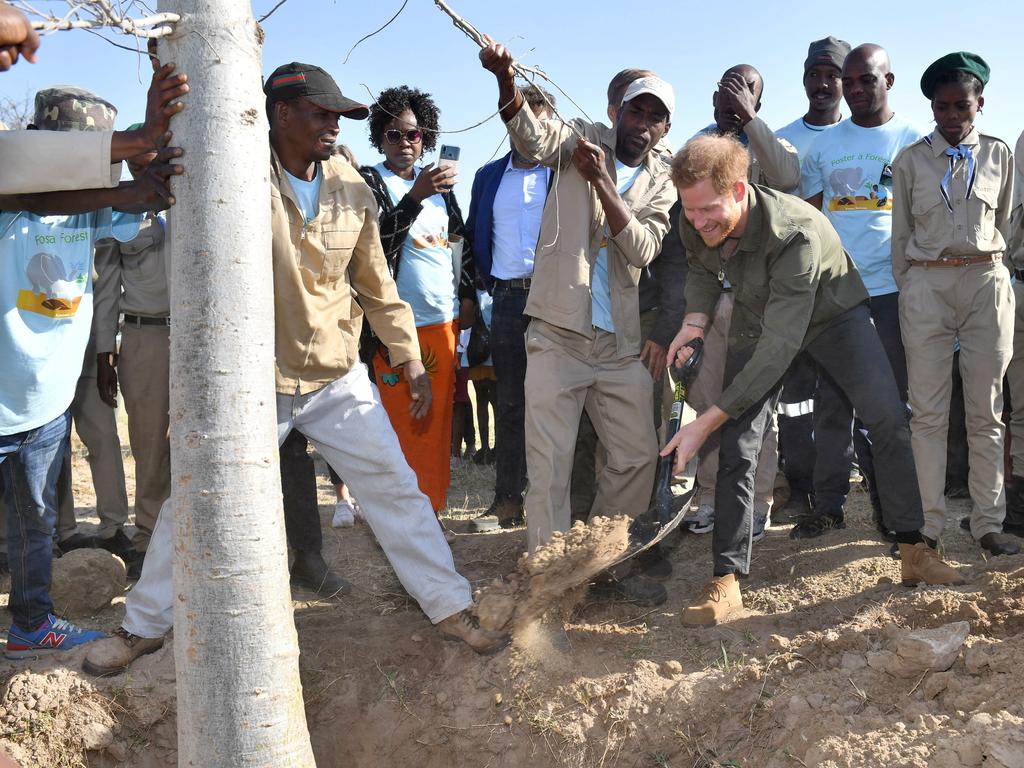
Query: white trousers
[347,424]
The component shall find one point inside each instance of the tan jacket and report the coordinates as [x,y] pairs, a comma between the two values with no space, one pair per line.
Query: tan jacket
[141,268]
[56,161]
[923,226]
[573,227]
[774,162]
[318,267]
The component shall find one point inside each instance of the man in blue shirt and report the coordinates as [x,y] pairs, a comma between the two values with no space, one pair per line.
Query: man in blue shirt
[503,225]
[46,250]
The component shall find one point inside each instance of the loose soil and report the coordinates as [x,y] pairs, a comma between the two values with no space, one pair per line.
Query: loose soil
[803,677]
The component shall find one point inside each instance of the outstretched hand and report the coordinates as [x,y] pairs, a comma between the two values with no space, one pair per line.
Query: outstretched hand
[497,59]
[17,38]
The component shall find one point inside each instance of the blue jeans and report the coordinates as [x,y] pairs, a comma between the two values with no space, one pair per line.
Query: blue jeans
[30,463]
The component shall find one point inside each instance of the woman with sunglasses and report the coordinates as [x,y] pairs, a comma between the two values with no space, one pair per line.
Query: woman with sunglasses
[418,217]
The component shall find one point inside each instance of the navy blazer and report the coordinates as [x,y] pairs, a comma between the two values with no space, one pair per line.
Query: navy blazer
[480,221]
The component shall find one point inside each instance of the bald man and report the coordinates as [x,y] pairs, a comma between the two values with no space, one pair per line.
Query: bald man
[847,173]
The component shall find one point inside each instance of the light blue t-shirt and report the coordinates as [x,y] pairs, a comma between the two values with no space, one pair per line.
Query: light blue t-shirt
[426,278]
[802,134]
[46,309]
[600,292]
[852,167]
[307,194]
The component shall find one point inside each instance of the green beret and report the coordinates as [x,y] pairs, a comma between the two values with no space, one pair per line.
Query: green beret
[951,62]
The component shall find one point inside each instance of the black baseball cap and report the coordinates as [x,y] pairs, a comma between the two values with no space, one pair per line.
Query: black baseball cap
[312,83]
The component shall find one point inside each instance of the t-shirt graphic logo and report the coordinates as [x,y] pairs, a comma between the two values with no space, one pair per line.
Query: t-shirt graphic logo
[852,191]
[54,292]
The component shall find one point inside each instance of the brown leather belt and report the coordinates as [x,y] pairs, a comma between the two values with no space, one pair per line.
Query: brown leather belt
[138,320]
[958,262]
[522,283]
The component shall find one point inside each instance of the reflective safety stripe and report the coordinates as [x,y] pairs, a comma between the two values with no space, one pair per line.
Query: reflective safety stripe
[793,410]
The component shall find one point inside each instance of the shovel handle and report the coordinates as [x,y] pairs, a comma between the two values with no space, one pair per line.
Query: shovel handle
[683,374]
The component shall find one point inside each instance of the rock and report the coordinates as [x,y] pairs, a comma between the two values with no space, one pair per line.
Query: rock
[936,684]
[928,649]
[118,751]
[779,643]
[671,668]
[497,699]
[96,736]
[852,662]
[85,581]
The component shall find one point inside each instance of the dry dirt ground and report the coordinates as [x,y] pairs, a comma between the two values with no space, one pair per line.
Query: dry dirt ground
[808,675]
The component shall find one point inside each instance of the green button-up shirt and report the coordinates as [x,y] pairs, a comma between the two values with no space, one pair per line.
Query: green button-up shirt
[790,277]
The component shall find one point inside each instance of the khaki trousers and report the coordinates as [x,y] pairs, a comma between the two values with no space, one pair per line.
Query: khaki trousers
[1015,381]
[144,372]
[938,306]
[704,393]
[565,374]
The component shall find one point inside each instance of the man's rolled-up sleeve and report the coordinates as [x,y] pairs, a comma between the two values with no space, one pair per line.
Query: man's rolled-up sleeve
[791,293]
[389,317]
[548,142]
[56,161]
[640,240]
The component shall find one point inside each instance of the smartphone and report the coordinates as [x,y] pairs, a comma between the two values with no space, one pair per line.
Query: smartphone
[449,156]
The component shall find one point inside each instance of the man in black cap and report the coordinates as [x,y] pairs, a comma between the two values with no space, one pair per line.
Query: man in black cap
[326,248]
[815,436]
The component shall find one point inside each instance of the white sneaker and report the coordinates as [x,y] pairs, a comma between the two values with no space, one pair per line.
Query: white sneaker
[762,520]
[703,521]
[344,514]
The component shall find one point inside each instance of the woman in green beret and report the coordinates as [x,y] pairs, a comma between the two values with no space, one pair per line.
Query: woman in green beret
[951,208]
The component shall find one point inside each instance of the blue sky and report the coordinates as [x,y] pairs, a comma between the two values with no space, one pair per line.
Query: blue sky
[581,46]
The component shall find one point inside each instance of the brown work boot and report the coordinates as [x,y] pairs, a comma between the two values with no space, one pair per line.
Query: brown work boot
[112,655]
[464,626]
[919,562]
[721,596]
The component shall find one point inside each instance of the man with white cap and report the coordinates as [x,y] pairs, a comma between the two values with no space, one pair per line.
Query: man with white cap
[605,219]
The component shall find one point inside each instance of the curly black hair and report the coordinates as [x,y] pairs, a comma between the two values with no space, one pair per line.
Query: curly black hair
[394,101]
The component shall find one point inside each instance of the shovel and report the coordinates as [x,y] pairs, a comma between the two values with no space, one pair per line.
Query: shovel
[659,520]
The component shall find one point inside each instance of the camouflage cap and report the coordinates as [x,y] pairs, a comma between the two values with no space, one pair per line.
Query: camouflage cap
[67,108]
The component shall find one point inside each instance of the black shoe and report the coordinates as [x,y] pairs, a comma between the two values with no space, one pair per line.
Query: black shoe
[965,523]
[135,566]
[813,526]
[119,544]
[1015,528]
[637,589]
[501,514]
[957,489]
[484,456]
[654,565]
[933,543]
[310,571]
[999,544]
[77,541]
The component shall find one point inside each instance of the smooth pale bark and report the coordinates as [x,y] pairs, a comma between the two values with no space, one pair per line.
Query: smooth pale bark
[235,648]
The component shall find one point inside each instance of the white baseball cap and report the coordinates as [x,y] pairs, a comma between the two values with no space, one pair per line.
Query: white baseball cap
[656,87]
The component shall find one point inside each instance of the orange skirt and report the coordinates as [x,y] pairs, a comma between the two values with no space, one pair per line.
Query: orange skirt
[426,442]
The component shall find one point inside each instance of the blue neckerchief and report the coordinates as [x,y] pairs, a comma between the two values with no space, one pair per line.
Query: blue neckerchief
[959,152]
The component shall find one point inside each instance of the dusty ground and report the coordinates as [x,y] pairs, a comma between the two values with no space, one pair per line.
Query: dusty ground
[807,676]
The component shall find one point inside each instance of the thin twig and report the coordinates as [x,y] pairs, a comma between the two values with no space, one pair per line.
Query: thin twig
[376,31]
[266,15]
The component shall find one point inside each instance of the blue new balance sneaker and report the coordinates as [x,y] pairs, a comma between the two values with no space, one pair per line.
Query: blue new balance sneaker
[52,635]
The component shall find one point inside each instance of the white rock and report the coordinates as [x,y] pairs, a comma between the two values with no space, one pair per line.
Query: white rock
[85,581]
[929,649]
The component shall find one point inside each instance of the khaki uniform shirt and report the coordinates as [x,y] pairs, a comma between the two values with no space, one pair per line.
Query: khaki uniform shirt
[774,162]
[56,161]
[790,278]
[1015,249]
[318,267]
[131,278]
[923,226]
[573,226]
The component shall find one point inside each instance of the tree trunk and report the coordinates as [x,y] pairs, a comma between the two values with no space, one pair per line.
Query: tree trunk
[235,648]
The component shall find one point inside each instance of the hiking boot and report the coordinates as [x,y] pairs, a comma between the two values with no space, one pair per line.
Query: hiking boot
[637,588]
[762,519]
[119,544]
[816,525]
[310,571]
[465,627]
[53,634]
[957,489]
[653,564]
[76,541]
[999,544]
[703,520]
[113,655]
[796,507]
[344,514]
[720,597]
[501,514]
[919,562]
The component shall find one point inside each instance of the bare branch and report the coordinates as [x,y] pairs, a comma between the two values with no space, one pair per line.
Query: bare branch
[97,14]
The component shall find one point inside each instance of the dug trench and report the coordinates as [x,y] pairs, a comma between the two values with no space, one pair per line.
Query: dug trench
[832,663]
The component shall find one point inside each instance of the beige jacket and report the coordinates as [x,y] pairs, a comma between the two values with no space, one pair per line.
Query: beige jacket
[141,268]
[1015,250]
[925,227]
[56,161]
[318,267]
[774,162]
[573,226]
